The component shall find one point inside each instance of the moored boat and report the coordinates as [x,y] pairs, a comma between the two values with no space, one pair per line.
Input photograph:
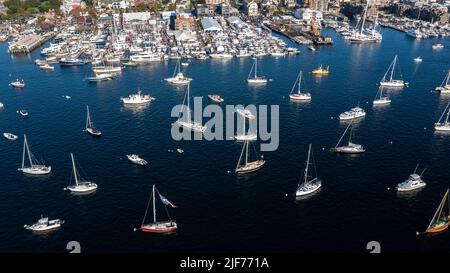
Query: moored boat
[44,225]
[134,158]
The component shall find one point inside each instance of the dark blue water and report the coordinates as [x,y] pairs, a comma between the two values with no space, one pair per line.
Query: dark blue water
[218,211]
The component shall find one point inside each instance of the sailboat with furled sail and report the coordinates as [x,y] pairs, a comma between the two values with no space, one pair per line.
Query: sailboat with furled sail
[309,184]
[443,125]
[444,88]
[299,96]
[35,166]
[350,148]
[81,185]
[380,99]
[391,82]
[248,166]
[90,128]
[440,221]
[255,79]
[188,123]
[160,227]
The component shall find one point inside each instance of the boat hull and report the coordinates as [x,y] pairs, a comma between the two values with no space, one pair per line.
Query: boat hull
[42,170]
[250,167]
[160,227]
[93,132]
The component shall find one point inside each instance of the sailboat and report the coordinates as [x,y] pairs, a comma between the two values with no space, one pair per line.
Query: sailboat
[299,95]
[161,226]
[440,221]
[178,76]
[255,78]
[90,125]
[350,148]
[35,167]
[248,166]
[391,82]
[443,125]
[445,85]
[363,36]
[189,123]
[80,186]
[381,100]
[308,184]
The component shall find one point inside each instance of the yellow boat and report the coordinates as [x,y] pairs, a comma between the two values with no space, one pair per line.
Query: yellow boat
[441,220]
[321,71]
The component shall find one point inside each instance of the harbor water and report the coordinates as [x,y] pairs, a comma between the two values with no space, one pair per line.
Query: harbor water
[219,212]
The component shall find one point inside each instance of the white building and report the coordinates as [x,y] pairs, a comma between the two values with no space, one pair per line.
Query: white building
[306,14]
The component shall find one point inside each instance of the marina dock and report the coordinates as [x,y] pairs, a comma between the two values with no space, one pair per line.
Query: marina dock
[29,43]
[298,36]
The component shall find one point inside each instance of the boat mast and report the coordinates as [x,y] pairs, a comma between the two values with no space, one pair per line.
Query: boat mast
[443,113]
[437,214]
[88,118]
[246,152]
[154,208]
[364,18]
[307,164]
[240,157]
[23,153]
[343,134]
[25,143]
[393,67]
[256,66]
[74,170]
[299,82]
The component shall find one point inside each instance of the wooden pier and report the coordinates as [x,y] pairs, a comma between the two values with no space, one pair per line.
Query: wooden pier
[28,43]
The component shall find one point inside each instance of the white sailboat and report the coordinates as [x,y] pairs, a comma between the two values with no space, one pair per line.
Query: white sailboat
[178,76]
[391,82]
[350,148]
[380,99]
[35,167]
[444,88]
[299,95]
[443,125]
[255,78]
[90,125]
[189,123]
[308,184]
[80,186]
[248,166]
[161,227]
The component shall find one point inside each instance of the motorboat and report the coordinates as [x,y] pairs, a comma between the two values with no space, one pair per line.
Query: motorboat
[355,112]
[216,98]
[44,225]
[18,84]
[10,136]
[134,158]
[413,182]
[137,98]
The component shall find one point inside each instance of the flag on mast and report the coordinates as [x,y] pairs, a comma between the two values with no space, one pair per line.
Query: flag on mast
[166,201]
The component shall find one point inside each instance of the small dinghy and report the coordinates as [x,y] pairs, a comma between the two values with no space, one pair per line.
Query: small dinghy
[23,113]
[215,98]
[134,158]
[10,136]
[44,225]
[18,84]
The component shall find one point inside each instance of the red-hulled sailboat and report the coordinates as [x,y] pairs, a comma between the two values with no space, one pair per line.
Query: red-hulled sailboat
[161,226]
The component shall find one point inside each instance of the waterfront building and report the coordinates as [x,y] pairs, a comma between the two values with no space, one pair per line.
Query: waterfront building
[319,5]
[210,25]
[138,21]
[306,14]
[289,3]
[68,5]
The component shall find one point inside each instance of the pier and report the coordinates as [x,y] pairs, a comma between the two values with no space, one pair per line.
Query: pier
[298,35]
[28,43]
